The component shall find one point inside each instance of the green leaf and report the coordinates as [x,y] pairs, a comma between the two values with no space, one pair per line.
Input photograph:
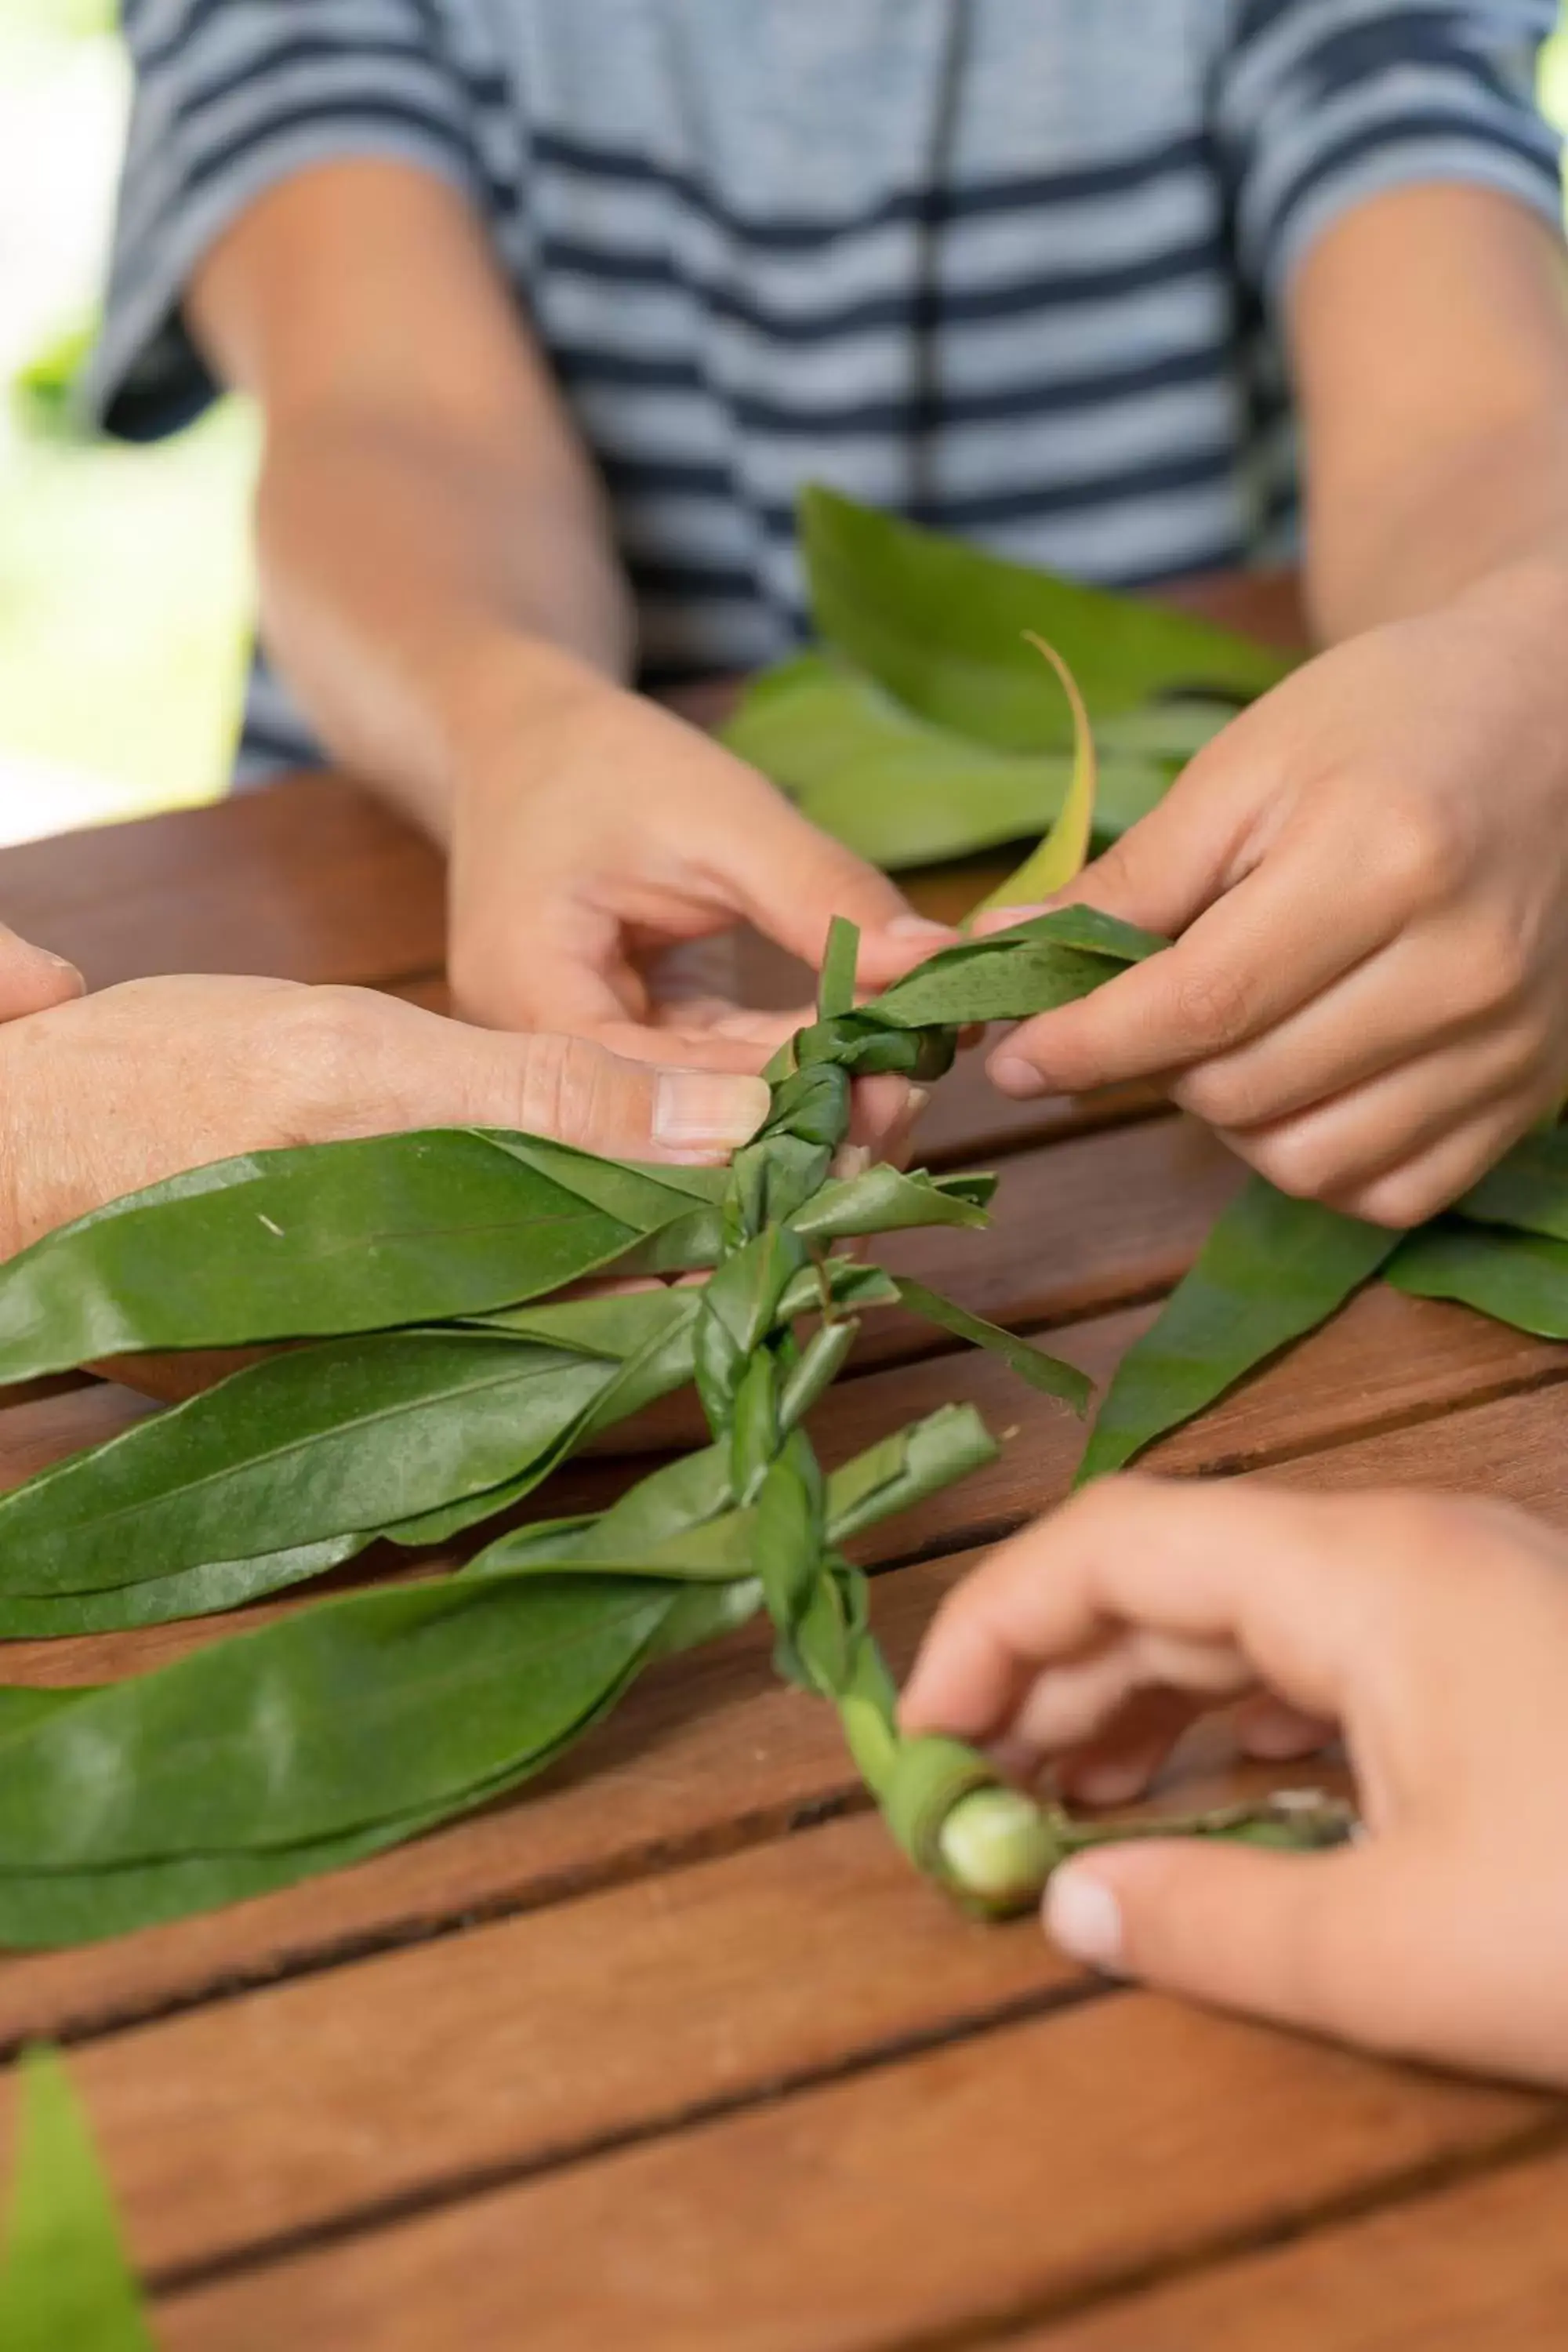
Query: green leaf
[679,1522]
[321,1441]
[1272,1269]
[65,2283]
[1009,975]
[1047,1373]
[941,626]
[310,1742]
[1516,1278]
[327,1240]
[836,990]
[887,1199]
[1529,1188]
[900,792]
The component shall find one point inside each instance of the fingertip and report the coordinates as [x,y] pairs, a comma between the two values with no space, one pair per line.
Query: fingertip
[1012,1075]
[1004,919]
[1081,1914]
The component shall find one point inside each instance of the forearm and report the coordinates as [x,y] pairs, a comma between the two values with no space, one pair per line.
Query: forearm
[1494,509]
[1429,336]
[423,597]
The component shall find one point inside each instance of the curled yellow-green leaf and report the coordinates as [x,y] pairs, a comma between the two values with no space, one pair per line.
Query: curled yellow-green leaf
[1061,854]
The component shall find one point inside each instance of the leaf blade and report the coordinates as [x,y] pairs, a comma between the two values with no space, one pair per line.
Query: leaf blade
[1231,1313]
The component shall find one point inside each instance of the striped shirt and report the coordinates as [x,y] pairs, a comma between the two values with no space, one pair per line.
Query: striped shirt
[1012,268]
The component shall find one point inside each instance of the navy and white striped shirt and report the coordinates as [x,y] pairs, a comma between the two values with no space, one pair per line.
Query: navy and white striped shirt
[1010,266]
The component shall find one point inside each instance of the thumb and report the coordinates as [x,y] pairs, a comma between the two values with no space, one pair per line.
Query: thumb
[790,880]
[579,1092]
[1309,1941]
[32,980]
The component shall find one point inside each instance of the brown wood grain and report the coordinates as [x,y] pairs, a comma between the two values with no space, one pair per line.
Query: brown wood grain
[311,879]
[1480,2266]
[709,1750]
[529,2042]
[984,2180]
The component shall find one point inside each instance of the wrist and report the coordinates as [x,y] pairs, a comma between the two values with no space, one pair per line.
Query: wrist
[1526,603]
[520,703]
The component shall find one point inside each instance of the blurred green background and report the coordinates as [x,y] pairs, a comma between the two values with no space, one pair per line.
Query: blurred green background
[125,583]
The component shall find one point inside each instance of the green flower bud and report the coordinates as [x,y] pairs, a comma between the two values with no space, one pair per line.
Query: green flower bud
[998,1849]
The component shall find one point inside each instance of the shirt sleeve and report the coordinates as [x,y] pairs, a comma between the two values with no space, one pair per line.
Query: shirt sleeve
[1323,103]
[232,96]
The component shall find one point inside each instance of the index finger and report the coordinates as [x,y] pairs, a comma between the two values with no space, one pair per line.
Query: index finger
[1273,942]
[1287,1578]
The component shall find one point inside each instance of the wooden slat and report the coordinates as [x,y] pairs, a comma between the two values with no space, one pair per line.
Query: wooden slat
[1482,2267]
[1511,1449]
[709,1752]
[533,2041]
[311,879]
[982,2181]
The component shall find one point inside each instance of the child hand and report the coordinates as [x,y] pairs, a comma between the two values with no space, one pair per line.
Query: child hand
[1433,1632]
[1367,876]
[609,842]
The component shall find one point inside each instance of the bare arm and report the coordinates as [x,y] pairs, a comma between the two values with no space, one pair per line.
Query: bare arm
[1429,335]
[1367,872]
[440,588]
[427,515]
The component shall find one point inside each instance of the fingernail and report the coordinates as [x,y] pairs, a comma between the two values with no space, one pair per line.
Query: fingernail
[851,1159]
[1016,1077]
[71,971]
[706,1107]
[919,1103]
[919,926]
[1083,1918]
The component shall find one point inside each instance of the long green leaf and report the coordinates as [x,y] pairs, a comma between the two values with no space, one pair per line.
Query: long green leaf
[1272,1269]
[65,2283]
[941,626]
[319,1442]
[328,1240]
[1521,1278]
[900,792]
[316,1740]
[1528,1189]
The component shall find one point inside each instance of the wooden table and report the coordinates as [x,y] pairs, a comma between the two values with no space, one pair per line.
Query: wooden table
[674,2053]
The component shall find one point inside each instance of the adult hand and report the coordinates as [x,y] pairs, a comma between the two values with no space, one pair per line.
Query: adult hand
[108,1093]
[1434,1632]
[1366,875]
[600,855]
